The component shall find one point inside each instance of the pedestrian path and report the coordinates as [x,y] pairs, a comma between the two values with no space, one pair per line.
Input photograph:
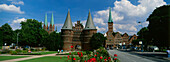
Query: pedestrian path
[32,57]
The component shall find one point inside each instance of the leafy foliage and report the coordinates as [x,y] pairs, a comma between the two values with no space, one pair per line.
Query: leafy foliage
[145,35]
[54,41]
[97,40]
[6,32]
[30,32]
[159,26]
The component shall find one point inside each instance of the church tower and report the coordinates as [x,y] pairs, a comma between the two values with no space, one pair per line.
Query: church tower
[45,23]
[110,37]
[88,32]
[67,32]
[52,26]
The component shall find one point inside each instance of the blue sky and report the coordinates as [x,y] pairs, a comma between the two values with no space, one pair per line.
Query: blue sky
[125,13]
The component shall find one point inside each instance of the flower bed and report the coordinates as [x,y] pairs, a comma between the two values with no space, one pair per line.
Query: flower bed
[100,55]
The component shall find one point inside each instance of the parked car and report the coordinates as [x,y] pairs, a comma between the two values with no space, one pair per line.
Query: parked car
[153,48]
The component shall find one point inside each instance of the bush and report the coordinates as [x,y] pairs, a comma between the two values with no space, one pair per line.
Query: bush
[4,51]
[13,52]
[88,52]
[24,51]
[18,50]
[43,49]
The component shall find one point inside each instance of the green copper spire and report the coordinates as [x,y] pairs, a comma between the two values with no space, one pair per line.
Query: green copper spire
[89,23]
[52,20]
[110,16]
[68,23]
[45,21]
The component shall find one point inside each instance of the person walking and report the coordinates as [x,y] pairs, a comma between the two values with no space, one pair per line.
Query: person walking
[61,51]
[58,51]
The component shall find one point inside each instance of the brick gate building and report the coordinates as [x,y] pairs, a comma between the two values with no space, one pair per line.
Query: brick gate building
[78,35]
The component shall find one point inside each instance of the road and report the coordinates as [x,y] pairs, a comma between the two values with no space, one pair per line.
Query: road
[127,57]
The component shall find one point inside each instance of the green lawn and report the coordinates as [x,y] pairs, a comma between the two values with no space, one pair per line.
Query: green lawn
[49,52]
[10,57]
[47,59]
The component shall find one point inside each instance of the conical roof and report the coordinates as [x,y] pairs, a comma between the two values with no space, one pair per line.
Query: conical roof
[89,23]
[45,21]
[68,23]
[110,16]
[52,20]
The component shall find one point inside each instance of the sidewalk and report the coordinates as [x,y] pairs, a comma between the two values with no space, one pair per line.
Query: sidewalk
[32,57]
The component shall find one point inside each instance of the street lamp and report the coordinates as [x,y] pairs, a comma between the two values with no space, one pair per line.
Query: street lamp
[141,28]
[17,38]
[140,42]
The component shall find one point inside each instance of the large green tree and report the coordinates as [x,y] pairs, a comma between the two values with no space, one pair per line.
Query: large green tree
[159,26]
[44,37]
[7,32]
[97,40]
[145,35]
[54,41]
[1,43]
[30,33]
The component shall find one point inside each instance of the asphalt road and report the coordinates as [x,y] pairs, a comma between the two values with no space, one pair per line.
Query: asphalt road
[127,57]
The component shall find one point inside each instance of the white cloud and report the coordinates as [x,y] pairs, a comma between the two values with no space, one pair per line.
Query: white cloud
[11,8]
[16,23]
[19,20]
[17,3]
[100,29]
[125,15]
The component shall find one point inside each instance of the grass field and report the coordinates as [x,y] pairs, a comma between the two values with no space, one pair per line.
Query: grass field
[47,59]
[10,57]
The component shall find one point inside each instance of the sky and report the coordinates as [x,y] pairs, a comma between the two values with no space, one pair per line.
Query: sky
[125,13]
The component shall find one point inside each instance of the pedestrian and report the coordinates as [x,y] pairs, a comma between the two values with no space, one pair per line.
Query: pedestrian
[61,51]
[58,51]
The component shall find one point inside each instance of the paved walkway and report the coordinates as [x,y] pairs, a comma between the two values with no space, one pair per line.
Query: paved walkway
[32,57]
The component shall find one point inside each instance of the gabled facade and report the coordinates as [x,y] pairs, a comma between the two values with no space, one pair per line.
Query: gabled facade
[115,39]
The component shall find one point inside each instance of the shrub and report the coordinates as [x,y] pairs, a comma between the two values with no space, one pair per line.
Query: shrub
[13,52]
[88,52]
[24,51]
[4,51]
[18,50]
[43,49]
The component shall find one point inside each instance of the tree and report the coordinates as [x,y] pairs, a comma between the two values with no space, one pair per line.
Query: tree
[159,26]
[97,40]
[54,41]
[1,43]
[44,36]
[30,33]
[145,35]
[7,33]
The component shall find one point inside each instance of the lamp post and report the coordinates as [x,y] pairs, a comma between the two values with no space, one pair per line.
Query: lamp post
[140,42]
[17,38]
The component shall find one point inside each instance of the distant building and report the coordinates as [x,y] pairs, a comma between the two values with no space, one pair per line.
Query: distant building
[78,35]
[51,28]
[115,39]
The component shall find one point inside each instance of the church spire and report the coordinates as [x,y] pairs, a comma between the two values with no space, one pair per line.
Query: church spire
[110,16]
[68,23]
[52,20]
[89,23]
[45,21]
